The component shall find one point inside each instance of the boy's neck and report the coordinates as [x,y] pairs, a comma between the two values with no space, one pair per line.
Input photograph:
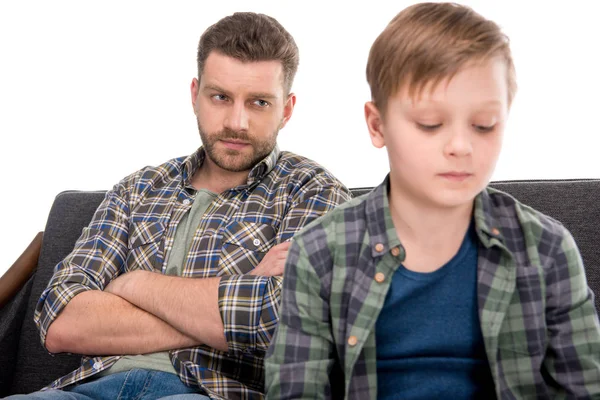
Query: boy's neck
[426,225]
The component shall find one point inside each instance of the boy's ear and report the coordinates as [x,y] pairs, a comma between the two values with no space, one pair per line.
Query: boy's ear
[374,124]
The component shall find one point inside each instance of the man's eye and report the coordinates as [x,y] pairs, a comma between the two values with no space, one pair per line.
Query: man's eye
[219,97]
[428,128]
[483,128]
[261,103]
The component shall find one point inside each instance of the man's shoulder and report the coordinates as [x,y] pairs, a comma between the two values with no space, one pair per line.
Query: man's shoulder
[154,175]
[299,167]
[353,212]
[300,176]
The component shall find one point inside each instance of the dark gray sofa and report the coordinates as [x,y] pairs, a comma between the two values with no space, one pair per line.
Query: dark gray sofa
[25,366]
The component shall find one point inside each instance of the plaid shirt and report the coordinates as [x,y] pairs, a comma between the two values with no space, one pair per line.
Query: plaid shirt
[538,320]
[134,228]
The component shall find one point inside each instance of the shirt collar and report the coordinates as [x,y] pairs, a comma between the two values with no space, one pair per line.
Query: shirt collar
[487,218]
[381,228]
[382,232]
[262,169]
[257,173]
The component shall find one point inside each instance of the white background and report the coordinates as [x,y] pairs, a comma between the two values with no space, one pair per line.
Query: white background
[91,91]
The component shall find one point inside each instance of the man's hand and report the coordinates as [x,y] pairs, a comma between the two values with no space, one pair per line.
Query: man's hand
[118,286]
[273,262]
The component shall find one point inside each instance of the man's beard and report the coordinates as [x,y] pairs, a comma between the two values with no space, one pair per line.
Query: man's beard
[233,160]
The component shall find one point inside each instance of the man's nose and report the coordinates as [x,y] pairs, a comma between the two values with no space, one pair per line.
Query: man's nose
[237,118]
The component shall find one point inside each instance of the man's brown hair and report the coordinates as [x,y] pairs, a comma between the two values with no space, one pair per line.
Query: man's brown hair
[429,42]
[251,37]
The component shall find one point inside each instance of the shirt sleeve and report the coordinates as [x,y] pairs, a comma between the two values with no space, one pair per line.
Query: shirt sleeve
[301,356]
[573,355]
[249,304]
[96,259]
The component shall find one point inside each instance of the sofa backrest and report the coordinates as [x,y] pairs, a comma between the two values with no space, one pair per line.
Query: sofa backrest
[573,202]
[35,367]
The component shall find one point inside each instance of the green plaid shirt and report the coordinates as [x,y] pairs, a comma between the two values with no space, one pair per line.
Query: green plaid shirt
[135,226]
[539,324]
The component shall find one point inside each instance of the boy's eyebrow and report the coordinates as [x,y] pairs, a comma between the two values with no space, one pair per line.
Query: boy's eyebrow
[258,95]
[493,103]
[413,104]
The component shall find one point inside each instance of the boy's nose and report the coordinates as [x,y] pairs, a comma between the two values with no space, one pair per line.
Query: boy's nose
[459,143]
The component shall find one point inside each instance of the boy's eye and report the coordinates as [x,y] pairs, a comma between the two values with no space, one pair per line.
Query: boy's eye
[483,128]
[261,103]
[428,128]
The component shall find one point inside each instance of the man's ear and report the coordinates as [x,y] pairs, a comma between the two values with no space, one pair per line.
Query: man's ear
[194,89]
[288,109]
[374,124]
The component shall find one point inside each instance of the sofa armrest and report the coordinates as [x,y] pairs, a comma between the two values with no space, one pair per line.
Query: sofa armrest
[16,276]
[12,315]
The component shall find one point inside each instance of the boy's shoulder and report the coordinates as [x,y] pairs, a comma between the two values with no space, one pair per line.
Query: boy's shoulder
[520,222]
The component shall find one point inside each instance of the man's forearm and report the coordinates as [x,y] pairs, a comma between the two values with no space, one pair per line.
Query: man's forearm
[100,323]
[189,305]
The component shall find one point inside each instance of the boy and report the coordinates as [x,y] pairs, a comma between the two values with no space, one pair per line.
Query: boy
[433,285]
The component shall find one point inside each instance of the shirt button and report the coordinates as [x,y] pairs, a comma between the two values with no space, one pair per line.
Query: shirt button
[379,277]
[379,247]
[97,365]
[256,242]
[352,341]
[395,252]
[495,231]
[186,202]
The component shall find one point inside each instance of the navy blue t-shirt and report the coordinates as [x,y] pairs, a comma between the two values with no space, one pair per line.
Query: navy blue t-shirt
[429,341]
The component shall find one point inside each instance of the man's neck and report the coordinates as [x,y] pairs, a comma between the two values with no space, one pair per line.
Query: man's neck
[214,178]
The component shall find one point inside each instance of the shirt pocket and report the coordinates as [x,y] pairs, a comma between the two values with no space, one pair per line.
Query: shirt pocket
[145,239]
[244,246]
[524,331]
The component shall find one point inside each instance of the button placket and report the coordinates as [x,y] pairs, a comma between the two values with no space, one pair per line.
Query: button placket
[352,341]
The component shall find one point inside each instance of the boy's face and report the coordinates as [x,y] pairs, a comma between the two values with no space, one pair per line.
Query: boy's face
[443,145]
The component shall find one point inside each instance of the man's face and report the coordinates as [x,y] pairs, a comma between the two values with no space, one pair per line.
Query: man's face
[240,108]
[443,145]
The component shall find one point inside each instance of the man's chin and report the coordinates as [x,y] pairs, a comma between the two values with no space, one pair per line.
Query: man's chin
[234,163]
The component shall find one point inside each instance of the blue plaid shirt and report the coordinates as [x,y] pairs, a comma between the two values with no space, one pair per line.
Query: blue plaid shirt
[134,228]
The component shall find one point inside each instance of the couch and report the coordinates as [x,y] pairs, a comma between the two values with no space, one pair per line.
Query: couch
[25,366]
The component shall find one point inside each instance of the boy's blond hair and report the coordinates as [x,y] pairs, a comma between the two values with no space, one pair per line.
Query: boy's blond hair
[429,42]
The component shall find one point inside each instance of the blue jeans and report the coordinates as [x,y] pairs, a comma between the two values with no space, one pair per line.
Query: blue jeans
[138,384]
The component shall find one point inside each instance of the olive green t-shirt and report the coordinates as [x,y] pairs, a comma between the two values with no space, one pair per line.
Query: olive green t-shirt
[181,244]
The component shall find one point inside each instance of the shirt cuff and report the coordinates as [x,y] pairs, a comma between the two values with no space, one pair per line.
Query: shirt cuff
[249,309]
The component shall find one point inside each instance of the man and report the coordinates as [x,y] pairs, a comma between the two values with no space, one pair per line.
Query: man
[223,215]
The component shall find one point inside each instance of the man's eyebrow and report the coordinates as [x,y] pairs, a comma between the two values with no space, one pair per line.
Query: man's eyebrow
[264,95]
[216,89]
[257,95]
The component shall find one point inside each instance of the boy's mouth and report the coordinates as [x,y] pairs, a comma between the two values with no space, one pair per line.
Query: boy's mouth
[456,175]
